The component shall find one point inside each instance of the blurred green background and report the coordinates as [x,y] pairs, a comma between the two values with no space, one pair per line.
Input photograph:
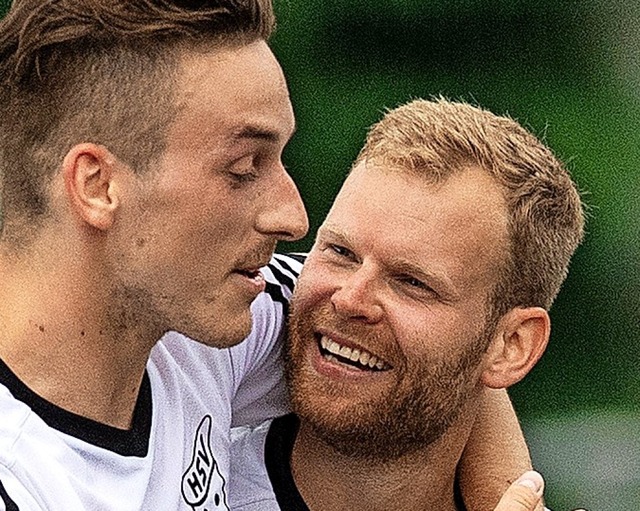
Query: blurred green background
[569,71]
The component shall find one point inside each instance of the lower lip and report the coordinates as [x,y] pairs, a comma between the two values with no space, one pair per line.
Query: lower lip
[254,284]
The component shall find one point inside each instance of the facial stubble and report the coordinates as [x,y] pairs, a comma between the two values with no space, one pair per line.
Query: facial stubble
[426,399]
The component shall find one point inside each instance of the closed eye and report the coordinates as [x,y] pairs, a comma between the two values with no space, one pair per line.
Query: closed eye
[244,170]
[243,177]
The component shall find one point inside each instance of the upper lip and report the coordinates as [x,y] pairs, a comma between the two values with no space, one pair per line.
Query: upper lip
[253,266]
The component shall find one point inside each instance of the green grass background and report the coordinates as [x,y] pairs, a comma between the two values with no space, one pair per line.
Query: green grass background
[569,71]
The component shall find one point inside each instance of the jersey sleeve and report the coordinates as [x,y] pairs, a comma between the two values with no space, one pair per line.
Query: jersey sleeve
[257,362]
[14,496]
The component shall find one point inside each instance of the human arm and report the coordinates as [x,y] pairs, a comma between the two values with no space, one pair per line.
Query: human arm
[495,455]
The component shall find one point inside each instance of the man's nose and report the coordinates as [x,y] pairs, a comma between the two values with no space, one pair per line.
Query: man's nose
[358,296]
[285,216]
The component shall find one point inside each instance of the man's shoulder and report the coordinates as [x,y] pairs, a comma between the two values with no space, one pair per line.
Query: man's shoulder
[281,275]
[272,306]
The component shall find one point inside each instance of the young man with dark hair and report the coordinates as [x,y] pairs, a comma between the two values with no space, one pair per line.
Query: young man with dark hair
[143,190]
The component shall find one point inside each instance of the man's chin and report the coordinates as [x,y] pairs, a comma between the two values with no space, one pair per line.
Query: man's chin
[224,334]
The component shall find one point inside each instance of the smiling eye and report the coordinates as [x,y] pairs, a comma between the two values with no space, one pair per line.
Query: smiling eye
[414,283]
[341,251]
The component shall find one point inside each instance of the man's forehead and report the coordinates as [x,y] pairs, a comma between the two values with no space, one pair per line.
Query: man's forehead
[241,98]
[456,228]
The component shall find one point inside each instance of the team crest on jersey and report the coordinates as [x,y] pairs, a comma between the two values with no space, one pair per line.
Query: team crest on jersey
[203,486]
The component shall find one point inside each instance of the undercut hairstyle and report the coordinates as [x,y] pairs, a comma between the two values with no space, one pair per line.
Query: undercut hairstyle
[100,71]
[435,139]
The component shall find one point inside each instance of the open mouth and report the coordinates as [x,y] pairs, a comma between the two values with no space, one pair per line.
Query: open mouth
[354,357]
[251,274]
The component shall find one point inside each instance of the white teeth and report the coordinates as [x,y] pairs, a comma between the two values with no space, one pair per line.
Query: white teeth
[355,355]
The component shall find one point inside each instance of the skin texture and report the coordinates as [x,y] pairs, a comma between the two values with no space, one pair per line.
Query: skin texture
[218,199]
[125,257]
[401,269]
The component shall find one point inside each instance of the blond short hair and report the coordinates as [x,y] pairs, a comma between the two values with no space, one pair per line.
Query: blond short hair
[545,213]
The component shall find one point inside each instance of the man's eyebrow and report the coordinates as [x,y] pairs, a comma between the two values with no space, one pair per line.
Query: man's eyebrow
[263,133]
[436,277]
[334,235]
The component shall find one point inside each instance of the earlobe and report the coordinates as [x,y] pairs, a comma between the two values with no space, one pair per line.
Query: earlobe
[520,340]
[88,171]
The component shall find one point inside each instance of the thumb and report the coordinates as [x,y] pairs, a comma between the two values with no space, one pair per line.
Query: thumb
[524,494]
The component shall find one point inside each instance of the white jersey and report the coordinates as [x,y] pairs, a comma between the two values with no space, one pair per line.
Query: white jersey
[176,454]
[261,476]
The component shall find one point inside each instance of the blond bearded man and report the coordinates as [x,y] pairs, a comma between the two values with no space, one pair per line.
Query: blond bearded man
[428,287]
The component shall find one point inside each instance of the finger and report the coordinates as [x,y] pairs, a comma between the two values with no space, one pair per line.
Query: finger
[524,494]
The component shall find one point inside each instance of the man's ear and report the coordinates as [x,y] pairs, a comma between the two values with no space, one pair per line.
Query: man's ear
[88,170]
[518,343]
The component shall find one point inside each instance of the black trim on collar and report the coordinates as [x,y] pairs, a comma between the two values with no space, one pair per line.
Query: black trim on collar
[277,455]
[9,504]
[131,442]
[457,495]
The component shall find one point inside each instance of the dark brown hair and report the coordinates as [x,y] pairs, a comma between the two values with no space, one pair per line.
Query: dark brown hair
[98,71]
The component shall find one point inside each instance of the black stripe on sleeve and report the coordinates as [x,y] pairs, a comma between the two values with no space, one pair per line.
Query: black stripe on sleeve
[296,257]
[276,295]
[9,504]
[283,279]
[301,258]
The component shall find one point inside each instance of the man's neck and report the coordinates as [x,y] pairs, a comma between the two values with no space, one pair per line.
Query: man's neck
[56,337]
[421,480]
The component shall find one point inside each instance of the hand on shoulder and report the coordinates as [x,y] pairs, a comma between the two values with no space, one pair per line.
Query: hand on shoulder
[524,494]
